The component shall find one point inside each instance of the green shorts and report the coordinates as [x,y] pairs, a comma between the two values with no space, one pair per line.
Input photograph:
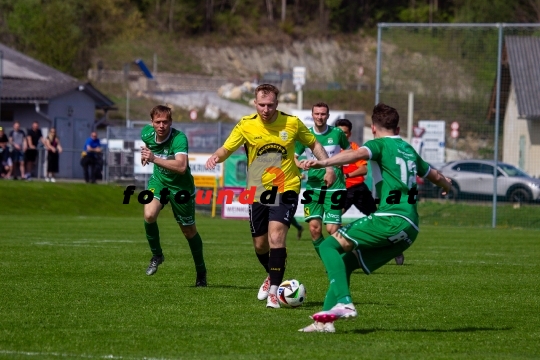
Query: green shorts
[183,213]
[324,211]
[379,239]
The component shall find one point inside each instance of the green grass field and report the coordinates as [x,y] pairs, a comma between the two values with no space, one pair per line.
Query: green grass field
[73,286]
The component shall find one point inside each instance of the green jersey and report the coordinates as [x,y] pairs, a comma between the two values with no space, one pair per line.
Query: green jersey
[176,143]
[394,166]
[333,140]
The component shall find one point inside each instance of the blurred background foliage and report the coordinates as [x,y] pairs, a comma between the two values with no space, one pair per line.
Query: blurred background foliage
[65,34]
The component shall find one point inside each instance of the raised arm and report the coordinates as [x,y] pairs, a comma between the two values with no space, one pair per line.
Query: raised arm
[219,156]
[345,157]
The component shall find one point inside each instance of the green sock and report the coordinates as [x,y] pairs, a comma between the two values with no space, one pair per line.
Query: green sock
[196,247]
[329,300]
[331,251]
[316,244]
[152,235]
[351,264]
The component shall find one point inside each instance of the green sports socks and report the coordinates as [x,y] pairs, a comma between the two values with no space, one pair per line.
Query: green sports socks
[196,247]
[351,264]
[317,243]
[152,235]
[331,251]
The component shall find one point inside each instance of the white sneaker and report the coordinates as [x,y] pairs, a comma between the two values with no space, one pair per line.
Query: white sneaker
[339,311]
[47,179]
[319,327]
[263,290]
[272,301]
[53,179]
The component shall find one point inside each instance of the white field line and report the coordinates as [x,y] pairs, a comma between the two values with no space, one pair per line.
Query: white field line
[80,356]
[86,243]
[46,243]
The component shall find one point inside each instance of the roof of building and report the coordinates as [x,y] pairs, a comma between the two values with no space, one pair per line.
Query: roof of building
[523,57]
[26,80]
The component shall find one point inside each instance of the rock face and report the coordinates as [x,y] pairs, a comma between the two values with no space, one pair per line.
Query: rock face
[332,61]
[325,60]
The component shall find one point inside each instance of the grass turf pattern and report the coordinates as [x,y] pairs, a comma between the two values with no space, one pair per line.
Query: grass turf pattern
[73,286]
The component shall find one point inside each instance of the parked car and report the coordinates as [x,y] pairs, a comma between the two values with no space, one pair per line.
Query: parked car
[475,177]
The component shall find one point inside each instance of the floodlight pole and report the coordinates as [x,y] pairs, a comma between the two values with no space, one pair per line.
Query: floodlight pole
[379,54]
[410,115]
[497,119]
[1,77]
[127,109]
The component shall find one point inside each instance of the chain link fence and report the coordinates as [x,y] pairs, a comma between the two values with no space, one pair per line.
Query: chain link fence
[469,99]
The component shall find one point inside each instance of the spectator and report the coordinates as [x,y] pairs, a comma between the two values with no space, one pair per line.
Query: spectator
[52,143]
[91,158]
[33,138]
[17,139]
[5,159]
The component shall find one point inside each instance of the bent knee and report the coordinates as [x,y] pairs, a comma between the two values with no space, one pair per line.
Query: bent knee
[150,215]
[189,231]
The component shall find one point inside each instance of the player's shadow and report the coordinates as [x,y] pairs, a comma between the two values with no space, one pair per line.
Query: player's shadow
[317,305]
[237,287]
[455,330]
[313,305]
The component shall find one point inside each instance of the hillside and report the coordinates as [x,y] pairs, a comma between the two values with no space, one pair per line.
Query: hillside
[329,61]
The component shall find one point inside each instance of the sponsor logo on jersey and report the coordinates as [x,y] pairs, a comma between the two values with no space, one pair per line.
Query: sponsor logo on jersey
[330,140]
[273,148]
[283,135]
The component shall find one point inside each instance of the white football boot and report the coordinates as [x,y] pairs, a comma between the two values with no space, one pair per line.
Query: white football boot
[339,311]
[264,289]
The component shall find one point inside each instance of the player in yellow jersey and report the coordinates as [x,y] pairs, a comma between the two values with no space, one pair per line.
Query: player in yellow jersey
[269,138]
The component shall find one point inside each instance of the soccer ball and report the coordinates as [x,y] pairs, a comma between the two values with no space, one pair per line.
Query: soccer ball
[291,293]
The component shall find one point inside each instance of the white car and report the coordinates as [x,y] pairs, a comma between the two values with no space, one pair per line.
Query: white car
[475,177]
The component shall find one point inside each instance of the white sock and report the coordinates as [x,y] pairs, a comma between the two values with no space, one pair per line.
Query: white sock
[273,289]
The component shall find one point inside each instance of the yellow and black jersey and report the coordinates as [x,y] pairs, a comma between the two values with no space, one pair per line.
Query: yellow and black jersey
[264,142]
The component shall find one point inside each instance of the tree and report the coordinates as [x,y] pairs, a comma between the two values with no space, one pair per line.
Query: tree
[270,10]
[38,33]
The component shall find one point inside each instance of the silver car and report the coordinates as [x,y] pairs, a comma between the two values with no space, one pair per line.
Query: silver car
[475,177]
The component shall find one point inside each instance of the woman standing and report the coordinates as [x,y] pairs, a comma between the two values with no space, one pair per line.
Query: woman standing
[52,143]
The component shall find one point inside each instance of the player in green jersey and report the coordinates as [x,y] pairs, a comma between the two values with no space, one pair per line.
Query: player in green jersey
[171,181]
[370,242]
[323,204]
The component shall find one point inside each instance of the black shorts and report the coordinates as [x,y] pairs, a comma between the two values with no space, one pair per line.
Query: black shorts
[31,155]
[360,196]
[260,215]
